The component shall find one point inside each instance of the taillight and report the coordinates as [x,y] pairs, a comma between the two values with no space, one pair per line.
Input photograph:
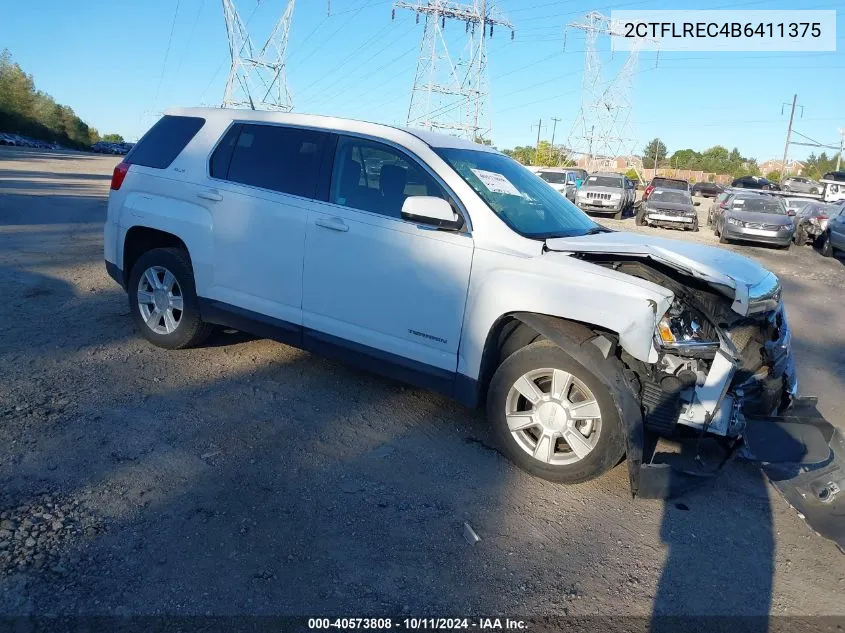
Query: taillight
[118,175]
[723,204]
[648,191]
[821,216]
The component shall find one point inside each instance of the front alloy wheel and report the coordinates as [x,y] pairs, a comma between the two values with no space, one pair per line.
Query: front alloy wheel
[553,416]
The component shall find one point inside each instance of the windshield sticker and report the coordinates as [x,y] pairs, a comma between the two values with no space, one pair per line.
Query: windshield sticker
[496,182]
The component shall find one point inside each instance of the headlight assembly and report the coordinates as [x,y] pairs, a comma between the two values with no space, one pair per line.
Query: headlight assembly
[679,330]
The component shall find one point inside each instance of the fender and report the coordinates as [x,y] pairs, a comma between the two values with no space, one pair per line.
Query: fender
[560,286]
[190,222]
[591,351]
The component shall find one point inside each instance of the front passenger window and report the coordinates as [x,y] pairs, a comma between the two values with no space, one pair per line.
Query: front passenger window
[377,178]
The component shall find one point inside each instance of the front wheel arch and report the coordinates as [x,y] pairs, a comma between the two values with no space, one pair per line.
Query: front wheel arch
[580,340]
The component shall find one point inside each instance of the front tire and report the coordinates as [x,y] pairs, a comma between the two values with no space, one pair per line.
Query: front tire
[552,417]
[163,299]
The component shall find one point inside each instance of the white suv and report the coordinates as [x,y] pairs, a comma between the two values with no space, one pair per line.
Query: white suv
[450,266]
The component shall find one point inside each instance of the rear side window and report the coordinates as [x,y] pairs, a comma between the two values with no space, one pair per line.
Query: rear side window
[162,143]
[273,157]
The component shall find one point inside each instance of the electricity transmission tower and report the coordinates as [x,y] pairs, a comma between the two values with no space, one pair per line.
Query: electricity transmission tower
[449,95]
[604,127]
[257,76]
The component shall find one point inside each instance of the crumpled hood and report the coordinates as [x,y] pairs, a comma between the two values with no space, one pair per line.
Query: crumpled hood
[722,268]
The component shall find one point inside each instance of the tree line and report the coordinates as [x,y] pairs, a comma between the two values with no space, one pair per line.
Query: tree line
[716,160]
[30,112]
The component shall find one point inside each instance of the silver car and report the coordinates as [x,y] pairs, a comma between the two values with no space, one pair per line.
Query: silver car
[606,193]
[562,180]
[754,218]
[801,185]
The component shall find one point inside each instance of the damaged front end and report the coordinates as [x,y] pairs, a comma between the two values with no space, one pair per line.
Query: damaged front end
[724,386]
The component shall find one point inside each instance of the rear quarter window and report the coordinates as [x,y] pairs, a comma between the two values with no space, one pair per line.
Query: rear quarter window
[164,141]
[283,159]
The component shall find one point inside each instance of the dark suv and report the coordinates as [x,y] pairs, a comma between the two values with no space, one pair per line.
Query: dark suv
[659,182]
[755,182]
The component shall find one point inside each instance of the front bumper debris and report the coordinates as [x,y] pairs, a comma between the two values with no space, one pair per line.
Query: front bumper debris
[801,453]
[803,457]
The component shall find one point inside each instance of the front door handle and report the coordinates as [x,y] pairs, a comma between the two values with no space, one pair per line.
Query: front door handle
[210,194]
[335,224]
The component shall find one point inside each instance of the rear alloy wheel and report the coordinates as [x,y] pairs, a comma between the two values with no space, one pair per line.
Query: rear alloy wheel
[553,417]
[163,299]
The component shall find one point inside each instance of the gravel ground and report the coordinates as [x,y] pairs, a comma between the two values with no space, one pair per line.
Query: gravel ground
[247,477]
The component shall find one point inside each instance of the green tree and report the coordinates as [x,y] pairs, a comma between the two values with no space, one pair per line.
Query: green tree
[655,148]
[773,175]
[685,159]
[30,112]
[117,138]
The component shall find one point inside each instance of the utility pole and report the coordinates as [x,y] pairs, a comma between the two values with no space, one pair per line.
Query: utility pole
[783,168]
[656,149]
[841,147]
[554,127]
[539,125]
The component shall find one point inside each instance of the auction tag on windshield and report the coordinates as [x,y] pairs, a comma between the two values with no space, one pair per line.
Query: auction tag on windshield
[496,183]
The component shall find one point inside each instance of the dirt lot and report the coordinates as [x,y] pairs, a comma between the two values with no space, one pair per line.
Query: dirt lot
[247,477]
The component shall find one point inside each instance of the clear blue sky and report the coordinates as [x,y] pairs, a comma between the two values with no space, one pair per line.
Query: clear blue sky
[110,62]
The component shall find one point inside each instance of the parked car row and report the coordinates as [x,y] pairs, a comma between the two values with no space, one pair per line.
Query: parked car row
[16,140]
[105,147]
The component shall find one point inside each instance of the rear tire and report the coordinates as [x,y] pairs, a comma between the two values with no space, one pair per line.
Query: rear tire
[722,238]
[800,237]
[538,434]
[825,247]
[163,299]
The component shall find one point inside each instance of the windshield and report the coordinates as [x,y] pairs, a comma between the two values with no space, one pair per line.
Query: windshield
[675,197]
[524,202]
[604,181]
[669,184]
[553,177]
[760,205]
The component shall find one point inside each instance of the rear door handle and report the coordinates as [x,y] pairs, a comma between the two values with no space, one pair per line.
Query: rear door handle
[210,194]
[335,224]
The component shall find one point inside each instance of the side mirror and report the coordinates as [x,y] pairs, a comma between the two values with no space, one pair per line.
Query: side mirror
[431,210]
[791,213]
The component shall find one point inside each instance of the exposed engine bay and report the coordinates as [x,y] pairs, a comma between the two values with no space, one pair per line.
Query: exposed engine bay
[730,378]
[719,380]
[714,366]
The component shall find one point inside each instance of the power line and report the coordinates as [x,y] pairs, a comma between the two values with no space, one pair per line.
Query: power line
[190,37]
[166,55]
